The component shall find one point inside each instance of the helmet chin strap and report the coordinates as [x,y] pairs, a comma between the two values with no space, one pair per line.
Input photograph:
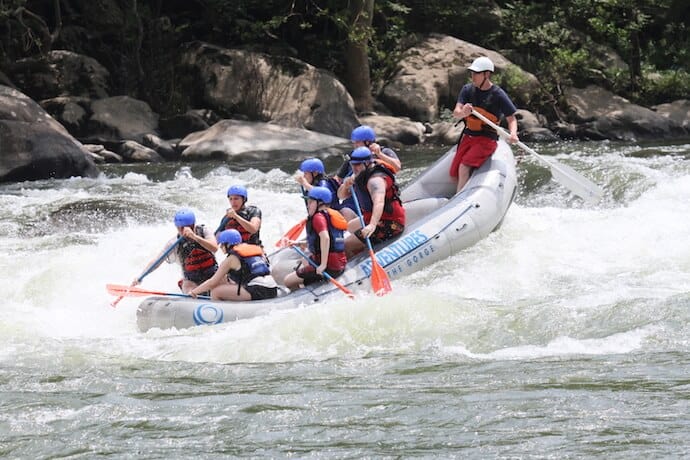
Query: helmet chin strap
[484,80]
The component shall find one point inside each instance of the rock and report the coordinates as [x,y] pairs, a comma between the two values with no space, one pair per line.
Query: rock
[229,138]
[279,89]
[431,74]
[120,117]
[35,146]
[601,114]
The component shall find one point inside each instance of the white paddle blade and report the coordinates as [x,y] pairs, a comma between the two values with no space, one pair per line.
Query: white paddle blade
[576,182]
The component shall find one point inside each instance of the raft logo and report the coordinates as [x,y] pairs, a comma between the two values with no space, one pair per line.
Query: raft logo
[207,314]
[393,252]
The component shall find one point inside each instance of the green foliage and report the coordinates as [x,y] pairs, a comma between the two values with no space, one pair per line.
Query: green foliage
[664,86]
[563,42]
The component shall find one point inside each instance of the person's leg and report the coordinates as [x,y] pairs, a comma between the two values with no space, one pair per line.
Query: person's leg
[292,281]
[187,285]
[229,292]
[464,172]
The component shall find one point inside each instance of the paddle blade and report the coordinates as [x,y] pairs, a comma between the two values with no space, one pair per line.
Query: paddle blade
[576,182]
[379,278]
[292,234]
[129,291]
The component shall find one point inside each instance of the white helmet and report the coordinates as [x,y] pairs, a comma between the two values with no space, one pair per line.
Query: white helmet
[482,64]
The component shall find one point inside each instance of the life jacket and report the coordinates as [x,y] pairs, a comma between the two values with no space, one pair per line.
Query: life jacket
[251,238]
[392,207]
[253,263]
[194,256]
[489,107]
[332,184]
[336,232]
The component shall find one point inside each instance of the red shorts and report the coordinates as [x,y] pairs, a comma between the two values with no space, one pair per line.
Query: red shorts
[472,151]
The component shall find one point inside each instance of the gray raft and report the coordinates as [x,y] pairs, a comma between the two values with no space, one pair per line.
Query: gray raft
[439,224]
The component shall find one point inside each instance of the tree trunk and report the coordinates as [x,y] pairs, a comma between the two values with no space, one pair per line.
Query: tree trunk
[357,74]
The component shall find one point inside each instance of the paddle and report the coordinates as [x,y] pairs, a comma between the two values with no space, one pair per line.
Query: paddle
[133,291]
[345,290]
[567,176]
[379,279]
[152,266]
[292,234]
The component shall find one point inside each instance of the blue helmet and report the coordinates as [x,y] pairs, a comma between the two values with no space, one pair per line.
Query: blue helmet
[320,194]
[363,133]
[231,237]
[312,165]
[360,155]
[184,218]
[239,190]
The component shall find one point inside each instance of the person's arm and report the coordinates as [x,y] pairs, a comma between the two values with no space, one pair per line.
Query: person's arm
[513,128]
[377,190]
[230,263]
[392,161]
[208,241]
[462,110]
[344,190]
[150,267]
[252,225]
[325,243]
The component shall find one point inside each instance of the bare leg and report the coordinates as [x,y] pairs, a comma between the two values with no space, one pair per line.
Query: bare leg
[292,281]
[187,286]
[229,292]
[464,172]
[347,213]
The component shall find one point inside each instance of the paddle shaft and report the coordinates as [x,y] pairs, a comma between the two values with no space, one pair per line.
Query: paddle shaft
[152,266]
[379,279]
[567,176]
[324,274]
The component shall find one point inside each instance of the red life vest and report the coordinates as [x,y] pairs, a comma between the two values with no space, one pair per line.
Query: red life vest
[193,256]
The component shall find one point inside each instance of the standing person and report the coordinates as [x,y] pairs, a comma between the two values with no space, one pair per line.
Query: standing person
[325,240]
[365,136]
[379,199]
[244,218]
[243,275]
[478,140]
[314,175]
[196,253]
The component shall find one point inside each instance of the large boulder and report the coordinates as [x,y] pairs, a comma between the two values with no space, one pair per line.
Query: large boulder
[431,74]
[61,73]
[120,118]
[279,89]
[34,146]
[678,114]
[599,114]
[230,138]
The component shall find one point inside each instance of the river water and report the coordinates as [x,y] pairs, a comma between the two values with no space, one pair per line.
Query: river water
[563,335]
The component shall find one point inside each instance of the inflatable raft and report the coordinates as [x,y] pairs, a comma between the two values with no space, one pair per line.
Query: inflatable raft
[439,224]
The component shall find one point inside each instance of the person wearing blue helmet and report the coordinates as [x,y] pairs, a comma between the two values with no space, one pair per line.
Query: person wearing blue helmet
[379,200]
[325,241]
[244,274]
[313,174]
[195,251]
[365,136]
[240,216]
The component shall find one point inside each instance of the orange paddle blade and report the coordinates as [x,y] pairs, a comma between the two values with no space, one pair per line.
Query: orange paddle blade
[379,278]
[133,291]
[292,234]
[129,291]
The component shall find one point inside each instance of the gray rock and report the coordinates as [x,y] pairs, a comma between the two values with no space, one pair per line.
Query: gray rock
[35,146]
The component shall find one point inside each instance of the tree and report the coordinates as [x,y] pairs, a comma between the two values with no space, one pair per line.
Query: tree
[357,71]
